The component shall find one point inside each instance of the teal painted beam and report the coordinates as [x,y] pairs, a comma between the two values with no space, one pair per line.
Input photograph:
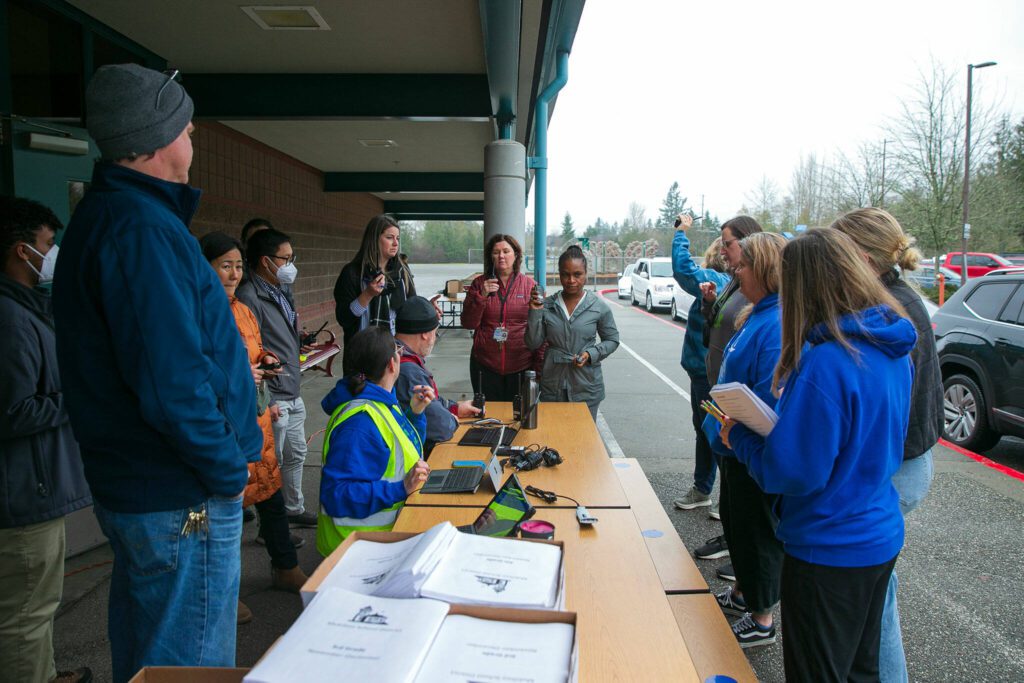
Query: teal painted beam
[446,206]
[501,22]
[286,96]
[403,182]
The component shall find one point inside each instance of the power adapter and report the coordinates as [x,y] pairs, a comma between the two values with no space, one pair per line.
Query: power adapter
[584,517]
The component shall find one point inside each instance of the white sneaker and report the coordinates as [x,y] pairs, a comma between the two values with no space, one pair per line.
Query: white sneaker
[692,499]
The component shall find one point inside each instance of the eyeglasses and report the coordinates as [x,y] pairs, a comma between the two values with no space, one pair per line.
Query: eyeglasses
[286,259]
[172,74]
[728,243]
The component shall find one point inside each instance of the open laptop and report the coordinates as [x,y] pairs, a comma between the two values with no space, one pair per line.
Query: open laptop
[503,514]
[463,479]
[488,436]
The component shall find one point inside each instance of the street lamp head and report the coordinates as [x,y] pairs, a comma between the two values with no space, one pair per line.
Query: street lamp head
[982,65]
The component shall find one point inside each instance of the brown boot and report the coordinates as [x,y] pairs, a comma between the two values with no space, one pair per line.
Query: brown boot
[290,580]
[244,613]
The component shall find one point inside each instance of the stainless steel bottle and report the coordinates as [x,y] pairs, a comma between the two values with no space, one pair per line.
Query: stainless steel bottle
[529,392]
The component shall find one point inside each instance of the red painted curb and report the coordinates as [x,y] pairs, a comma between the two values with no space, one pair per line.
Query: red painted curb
[670,323]
[1008,471]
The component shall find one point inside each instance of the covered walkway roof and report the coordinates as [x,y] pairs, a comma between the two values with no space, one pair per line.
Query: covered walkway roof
[391,97]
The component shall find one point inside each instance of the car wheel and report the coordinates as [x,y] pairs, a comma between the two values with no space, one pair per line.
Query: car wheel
[632,297]
[672,311]
[621,296]
[966,417]
[649,305]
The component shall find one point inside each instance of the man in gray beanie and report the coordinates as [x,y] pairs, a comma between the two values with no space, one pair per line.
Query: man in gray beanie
[156,381]
[416,333]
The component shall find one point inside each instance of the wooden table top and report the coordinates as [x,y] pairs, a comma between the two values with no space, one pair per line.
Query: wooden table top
[709,639]
[585,474]
[626,627]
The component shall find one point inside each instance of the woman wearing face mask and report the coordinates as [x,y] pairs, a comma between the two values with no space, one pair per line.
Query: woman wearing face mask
[571,321]
[373,286]
[264,488]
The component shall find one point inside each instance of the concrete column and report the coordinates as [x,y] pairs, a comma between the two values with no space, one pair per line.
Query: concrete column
[505,190]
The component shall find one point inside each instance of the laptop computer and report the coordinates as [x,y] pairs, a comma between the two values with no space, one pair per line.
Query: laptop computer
[463,479]
[488,436]
[503,514]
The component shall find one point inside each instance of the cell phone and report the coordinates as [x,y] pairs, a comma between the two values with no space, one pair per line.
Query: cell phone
[269,366]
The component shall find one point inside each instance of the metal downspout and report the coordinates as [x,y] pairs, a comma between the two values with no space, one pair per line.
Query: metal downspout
[540,164]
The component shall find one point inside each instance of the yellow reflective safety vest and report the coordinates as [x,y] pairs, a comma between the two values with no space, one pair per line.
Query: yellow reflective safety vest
[331,531]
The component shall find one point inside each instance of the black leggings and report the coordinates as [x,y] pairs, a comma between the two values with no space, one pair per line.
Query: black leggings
[274,531]
[496,387]
[833,620]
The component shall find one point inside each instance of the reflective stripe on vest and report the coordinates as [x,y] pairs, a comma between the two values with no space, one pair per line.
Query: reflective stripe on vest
[331,531]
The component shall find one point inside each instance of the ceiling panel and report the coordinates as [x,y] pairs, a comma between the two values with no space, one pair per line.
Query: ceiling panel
[334,145]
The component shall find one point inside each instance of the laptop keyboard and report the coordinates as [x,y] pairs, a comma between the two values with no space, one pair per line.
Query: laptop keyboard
[462,478]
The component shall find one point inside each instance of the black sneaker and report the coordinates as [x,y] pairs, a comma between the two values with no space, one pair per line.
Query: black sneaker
[726,572]
[297,541]
[305,519]
[712,549]
[730,603]
[749,633]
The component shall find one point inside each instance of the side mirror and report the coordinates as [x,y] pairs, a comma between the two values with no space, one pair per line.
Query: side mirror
[619,275]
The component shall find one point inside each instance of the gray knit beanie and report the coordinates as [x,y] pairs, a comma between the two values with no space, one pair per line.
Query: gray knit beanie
[134,110]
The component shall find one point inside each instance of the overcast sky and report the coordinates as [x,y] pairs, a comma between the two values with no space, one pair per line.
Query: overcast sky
[716,95]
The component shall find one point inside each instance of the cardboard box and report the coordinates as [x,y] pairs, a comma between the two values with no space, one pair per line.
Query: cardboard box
[188,674]
[331,561]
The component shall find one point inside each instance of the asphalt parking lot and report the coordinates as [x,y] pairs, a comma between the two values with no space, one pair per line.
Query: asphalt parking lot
[960,572]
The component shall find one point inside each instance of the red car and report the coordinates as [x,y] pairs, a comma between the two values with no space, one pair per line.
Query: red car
[977,263]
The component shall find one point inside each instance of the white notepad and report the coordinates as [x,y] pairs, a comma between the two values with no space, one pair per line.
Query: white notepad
[740,403]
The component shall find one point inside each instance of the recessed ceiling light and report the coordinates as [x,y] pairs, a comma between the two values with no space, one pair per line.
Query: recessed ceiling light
[286,17]
[378,143]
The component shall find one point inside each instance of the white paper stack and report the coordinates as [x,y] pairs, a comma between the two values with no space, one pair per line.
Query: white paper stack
[739,402]
[406,579]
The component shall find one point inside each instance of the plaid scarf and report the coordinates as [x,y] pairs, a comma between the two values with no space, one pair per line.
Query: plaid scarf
[279,297]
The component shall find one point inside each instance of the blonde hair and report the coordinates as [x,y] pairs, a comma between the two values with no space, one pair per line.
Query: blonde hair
[762,254]
[824,278]
[879,236]
[713,257]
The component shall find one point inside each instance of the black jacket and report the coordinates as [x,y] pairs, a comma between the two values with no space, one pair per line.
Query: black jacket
[41,475]
[349,285]
[926,416]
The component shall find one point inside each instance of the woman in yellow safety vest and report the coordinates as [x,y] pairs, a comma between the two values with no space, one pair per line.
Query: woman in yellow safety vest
[372,448]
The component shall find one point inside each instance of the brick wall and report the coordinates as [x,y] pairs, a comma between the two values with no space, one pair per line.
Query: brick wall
[242,178]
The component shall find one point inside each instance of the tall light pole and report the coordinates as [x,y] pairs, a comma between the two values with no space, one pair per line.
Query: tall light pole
[967,170]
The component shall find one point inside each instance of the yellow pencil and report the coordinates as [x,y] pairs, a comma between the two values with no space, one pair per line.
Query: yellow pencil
[710,410]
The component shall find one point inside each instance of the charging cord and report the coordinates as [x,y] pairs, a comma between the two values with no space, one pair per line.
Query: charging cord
[549,497]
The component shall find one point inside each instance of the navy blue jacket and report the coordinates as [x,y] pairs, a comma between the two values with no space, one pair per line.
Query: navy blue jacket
[838,441]
[156,379]
[689,276]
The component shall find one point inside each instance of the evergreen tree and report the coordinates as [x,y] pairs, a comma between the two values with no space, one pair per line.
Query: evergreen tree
[568,231]
[673,205]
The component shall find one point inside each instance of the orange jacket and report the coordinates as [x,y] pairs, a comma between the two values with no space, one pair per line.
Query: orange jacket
[265,475]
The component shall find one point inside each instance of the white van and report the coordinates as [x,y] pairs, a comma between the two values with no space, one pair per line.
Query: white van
[653,283]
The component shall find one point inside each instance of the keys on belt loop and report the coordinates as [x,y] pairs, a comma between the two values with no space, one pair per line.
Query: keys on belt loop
[197,520]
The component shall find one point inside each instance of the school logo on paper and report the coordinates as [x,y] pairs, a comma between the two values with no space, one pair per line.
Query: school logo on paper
[367,616]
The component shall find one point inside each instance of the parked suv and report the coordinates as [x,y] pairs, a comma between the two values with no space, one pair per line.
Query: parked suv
[979,334]
[977,263]
[653,283]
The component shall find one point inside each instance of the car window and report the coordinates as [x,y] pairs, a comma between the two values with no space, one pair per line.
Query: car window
[661,269]
[640,268]
[1012,310]
[629,270]
[987,300]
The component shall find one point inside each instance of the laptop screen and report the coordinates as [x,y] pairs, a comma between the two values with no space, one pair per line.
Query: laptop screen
[508,508]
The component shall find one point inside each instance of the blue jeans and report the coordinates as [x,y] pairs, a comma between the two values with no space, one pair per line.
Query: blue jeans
[704,467]
[912,482]
[173,598]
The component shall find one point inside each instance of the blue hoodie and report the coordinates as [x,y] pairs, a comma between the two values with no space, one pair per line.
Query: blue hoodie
[689,276]
[838,442]
[750,357]
[350,484]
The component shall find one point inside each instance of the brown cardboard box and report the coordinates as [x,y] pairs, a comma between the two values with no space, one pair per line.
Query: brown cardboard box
[331,561]
[188,674]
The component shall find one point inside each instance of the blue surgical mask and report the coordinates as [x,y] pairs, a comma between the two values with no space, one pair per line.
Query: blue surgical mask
[45,274]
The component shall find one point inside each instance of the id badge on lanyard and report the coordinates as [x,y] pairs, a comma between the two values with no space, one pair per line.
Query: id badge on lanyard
[501,334]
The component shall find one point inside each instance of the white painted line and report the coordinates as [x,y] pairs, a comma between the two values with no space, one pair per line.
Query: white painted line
[611,444]
[658,373]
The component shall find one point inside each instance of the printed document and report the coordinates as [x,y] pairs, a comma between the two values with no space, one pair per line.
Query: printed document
[739,402]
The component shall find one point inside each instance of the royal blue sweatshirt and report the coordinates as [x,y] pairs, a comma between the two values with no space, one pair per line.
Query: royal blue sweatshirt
[689,276]
[350,485]
[750,357]
[838,442]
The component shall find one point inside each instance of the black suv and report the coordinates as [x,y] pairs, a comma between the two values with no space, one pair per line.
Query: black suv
[980,338]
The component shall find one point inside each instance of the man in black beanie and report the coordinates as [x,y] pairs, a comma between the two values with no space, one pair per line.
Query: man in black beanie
[156,381]
[416,332]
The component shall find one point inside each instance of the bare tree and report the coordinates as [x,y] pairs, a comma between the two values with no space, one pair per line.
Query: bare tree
[764,203]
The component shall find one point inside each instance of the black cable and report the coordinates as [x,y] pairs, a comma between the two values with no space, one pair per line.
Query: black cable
[548,496]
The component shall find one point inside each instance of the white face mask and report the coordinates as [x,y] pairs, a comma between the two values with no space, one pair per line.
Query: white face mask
[287,273]
[49,263]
